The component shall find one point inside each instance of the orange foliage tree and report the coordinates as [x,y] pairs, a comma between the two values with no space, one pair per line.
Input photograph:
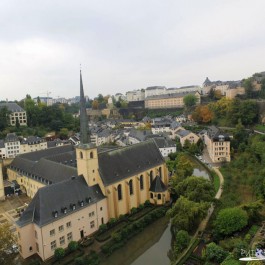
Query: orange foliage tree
[202,114]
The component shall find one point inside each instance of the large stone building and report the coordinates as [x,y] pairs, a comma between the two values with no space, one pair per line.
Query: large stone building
[166,101]
[76,190]
[17,114]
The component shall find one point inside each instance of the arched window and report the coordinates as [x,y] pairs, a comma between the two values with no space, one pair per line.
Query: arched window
[91,154]
[151,176]
[102,220]
[160,172]
[119,192]
[81,155]
[159,196]
[131,187]
[151,195]
[141,182]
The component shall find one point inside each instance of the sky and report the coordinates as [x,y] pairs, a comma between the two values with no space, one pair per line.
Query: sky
[124,45]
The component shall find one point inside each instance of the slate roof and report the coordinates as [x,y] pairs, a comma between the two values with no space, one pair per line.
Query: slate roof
[215,133]
[2,144]
[162,142]
[157,185]
[11,137]
[155,87]
[13,107]
[54,198]
[183,133]
[128,161]
[140,134]
[32,140]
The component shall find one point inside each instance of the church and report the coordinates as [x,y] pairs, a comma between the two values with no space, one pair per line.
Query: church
[76,189]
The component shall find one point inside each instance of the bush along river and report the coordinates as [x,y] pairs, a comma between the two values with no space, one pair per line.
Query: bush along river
[153,244]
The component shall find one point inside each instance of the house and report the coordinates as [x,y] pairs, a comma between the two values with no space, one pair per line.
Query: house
[77,189]
[17,114]
[12,145]
[165,145]
[186,135]
[137,136]
[218,144]
[32,143]
[155,91]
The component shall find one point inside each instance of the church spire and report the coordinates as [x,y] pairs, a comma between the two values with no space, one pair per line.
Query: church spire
[84,136]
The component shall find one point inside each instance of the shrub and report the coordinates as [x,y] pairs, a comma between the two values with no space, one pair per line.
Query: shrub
[59,253]
[134,210]
[103,228]
[80,261]
[72,246]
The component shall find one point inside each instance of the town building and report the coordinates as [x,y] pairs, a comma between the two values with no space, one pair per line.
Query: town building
[218,144]
[31,144]
[77,189]
[166,101]
[17,114]
[135,95]
[155,91]
[186,135]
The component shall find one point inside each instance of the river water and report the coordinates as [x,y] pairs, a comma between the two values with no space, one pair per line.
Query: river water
[151,246]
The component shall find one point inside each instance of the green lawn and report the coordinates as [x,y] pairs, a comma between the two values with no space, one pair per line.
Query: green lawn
[260,127]
[216,181]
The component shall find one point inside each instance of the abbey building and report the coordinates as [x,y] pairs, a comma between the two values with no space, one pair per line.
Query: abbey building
[75,190]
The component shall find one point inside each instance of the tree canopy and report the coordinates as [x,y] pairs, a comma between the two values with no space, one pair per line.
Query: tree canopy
[190,100]
[230,220]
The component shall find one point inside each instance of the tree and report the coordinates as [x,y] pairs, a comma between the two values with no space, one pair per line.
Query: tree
[196,189]
[247,84]
[230,220]
[186,214]
[190,100]
[215,253]
[4,118]
[6,242]
[202,114]
[95,104]
[59,254]
[182,240]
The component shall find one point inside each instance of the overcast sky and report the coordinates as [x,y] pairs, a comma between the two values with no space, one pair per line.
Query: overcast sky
[126,44]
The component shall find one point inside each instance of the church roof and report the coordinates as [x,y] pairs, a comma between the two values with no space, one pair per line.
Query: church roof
[157,185]
[124,162]
[59,199]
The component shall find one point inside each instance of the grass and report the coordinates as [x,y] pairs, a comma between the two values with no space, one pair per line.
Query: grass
[260,128]
[216,181]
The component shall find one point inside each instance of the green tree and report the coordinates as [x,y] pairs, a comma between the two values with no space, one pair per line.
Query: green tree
[230,220]
[6,242]
[182,241]
[59,254]
[4,118]
[215,253]
[248,85]
[230,260]
[196,189]
[190,100]
[187,214]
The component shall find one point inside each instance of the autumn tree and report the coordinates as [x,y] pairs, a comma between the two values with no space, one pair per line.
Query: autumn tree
[6,242]
[202,114]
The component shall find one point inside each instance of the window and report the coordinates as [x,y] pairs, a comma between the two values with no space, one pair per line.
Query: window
[30,249]
[81,155]
[52,232]
[159,196]
[101,208]
[60,228]
[62,240]
[91,214]
[160,172]
[91,154]
[119,192]
[151,176]
[131,187]
[141,182]
[102,220]
[68,224]
[152,196]
[37,247]
[70,236]
[53,245]
[92,224]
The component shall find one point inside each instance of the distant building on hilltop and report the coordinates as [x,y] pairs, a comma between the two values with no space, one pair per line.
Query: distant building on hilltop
[17,114]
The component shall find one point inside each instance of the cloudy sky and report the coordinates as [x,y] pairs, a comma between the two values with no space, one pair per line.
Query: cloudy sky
[126,44]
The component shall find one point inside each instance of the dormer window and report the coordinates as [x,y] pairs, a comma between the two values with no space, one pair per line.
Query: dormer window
[72,206]
[81,203]
[64,210]
[55,214]
[88,200]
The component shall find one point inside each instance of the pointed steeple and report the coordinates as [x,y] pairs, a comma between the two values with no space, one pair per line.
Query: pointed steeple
[84,133]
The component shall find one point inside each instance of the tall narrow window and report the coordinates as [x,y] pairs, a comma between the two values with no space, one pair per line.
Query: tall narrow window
[81,155]
[141,182]
[91,154]
[131,187]
[151,176]
[119,192]
[160,172]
